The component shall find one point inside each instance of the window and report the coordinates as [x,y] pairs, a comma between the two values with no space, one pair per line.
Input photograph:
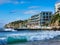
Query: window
[46,19]
[46,16]
[59,8]
[43,16]
[43,13]
[49,16]
[46,13]
[49,13]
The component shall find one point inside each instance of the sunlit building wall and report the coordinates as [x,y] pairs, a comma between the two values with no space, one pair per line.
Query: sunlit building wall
[45,18]
[40,19]
[57,7]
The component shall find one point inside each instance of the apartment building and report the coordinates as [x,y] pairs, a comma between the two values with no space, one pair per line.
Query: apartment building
[41,19]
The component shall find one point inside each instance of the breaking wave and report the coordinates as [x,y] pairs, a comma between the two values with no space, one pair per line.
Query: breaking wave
[35,36]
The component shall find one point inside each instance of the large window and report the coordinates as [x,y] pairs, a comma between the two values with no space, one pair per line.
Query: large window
[43,13]
[43,16]
[46,13]
[46,16]
[49,13]
[59,8]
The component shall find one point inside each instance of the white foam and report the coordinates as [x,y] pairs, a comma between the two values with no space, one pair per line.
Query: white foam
[2,38]
[37,35]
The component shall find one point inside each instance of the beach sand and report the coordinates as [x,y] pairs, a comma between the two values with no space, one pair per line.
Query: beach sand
[51,42]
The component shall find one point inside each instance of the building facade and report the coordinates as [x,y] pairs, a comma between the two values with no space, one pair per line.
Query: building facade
[45,18]
[34,21]
[40,19]
[57,7]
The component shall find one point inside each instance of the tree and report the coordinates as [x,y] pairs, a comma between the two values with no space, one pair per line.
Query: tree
[55,19]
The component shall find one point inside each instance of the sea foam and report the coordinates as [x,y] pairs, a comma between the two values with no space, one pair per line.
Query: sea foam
[37,35]
[29,36]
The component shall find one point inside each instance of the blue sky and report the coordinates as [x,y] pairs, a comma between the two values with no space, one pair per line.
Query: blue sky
[11,10]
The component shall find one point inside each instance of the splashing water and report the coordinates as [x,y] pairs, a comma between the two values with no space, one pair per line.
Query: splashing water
[30,36]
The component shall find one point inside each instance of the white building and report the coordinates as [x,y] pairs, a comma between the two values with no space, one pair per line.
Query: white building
[41,19]
[57,7]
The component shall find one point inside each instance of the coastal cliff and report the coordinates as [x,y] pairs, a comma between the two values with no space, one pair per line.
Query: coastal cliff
[16,24]
[54,23]
[55,20]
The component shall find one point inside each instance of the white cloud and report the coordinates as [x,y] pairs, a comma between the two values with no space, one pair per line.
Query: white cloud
[33,7]
[17,2]
[31,12]
[24,2]
[12,1]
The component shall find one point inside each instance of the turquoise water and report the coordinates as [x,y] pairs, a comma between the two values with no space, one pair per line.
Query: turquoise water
[27,36]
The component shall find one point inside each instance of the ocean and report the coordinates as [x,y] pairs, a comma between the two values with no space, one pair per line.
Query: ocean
[27,37]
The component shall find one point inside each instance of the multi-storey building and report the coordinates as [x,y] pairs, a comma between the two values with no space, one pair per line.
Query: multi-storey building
[57,7]
[45,18]
[34,21]
[40,19]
